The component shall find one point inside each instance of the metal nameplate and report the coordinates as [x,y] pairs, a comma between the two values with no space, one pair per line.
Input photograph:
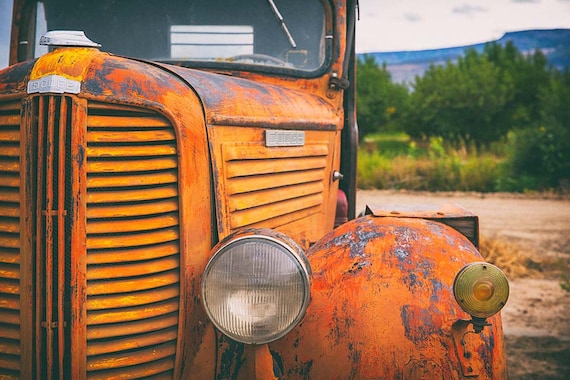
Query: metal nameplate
[54,83]
[284,138]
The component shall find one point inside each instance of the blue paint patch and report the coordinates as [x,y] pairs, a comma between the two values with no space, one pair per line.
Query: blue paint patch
[401,254]
[437,287]
[341,240]
[413,279]
[414,316]
[361,239]
[367,234]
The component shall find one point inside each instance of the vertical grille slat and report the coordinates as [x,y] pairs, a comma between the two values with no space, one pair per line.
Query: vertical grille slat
[10,255]
[52,241]
[63,193]
[133,256]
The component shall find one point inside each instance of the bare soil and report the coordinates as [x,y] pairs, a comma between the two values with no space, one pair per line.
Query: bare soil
[536,319]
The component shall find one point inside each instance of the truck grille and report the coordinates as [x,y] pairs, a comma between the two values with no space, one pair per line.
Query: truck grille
[103,268]
[133,275]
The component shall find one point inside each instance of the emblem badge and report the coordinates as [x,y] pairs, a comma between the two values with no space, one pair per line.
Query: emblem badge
[284,138]
[54,83]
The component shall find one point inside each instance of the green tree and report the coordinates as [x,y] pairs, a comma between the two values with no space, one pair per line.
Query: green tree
[461,101]
[380,102]
[530,75]
[542,150]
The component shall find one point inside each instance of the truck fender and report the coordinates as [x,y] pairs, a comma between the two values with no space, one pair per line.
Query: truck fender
[382,306]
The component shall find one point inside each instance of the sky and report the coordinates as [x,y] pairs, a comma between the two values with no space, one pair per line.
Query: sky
[399,25]
[396,25]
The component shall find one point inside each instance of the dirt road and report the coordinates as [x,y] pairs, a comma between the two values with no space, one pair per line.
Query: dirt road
[536,319]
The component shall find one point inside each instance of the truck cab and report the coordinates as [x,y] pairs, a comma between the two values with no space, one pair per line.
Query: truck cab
[177,200]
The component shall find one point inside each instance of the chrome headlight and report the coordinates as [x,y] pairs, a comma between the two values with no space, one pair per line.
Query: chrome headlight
[481,289]
[256,287]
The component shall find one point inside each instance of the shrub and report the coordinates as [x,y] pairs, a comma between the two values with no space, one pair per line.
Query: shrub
[540,157]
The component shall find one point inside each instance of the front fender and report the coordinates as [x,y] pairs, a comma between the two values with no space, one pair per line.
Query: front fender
[383,307]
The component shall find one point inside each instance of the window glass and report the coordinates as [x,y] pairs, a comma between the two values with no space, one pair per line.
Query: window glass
[284,34]
[5,23]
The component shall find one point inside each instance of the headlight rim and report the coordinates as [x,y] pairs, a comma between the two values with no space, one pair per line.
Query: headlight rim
[295,252]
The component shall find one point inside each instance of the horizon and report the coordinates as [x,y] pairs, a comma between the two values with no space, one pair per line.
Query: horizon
[463,46]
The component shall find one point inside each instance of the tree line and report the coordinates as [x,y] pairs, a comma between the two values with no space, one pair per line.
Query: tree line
[497,95]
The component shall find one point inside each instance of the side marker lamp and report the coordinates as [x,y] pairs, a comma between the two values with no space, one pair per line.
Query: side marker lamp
[481,290]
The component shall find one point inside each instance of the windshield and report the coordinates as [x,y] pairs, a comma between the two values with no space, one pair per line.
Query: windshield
[268,34]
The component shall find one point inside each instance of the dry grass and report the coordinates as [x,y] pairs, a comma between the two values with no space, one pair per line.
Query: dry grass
[507,256]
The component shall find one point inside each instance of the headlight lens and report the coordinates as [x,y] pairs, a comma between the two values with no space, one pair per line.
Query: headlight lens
[256,287]
[481,289]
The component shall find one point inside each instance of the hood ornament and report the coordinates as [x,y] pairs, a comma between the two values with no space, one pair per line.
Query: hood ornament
[67,38]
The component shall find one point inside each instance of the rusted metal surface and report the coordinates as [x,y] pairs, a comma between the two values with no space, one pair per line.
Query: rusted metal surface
[117,194]
[382,305]
[238,102]
[14,80]
[453,215]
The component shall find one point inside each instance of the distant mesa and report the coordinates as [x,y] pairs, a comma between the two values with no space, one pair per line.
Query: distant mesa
[406,65]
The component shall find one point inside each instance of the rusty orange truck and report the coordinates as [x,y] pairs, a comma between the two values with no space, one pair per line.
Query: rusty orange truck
[177,200]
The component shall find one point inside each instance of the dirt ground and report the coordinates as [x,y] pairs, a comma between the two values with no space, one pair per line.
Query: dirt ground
[536,319]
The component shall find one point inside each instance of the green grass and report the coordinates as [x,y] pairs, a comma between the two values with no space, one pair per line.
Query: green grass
[394,161]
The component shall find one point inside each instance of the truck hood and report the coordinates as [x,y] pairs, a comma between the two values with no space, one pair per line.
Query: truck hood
[225,100]
[236,101]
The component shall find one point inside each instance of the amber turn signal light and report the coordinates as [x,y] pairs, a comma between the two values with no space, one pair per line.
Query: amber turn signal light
[481,289]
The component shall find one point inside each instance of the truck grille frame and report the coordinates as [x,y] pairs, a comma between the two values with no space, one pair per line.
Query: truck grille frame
[96,291]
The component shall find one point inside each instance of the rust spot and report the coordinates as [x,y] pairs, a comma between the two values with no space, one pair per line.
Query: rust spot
[305,370]
[231,358]
[278,369]
[13,79]
[419,323]
[341,324]
[357,266]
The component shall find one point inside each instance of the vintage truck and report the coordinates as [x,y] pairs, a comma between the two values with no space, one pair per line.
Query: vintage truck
[177,200]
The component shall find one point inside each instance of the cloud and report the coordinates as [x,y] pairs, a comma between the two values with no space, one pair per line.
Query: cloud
[412,17]
[468,9]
